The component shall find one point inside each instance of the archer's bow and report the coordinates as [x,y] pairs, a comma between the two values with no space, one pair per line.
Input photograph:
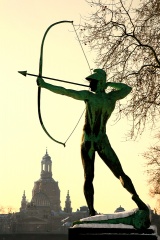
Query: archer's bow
[40,75]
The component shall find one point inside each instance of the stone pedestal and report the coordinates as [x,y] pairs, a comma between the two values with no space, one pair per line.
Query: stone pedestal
[129,225]
[111,234]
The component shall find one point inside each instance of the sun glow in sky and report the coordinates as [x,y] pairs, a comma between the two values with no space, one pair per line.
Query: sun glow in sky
[22,140]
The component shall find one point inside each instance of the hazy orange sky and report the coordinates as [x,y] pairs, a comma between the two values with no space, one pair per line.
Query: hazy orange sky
[22,140]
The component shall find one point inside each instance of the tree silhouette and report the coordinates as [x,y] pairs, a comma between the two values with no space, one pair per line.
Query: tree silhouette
[126,40]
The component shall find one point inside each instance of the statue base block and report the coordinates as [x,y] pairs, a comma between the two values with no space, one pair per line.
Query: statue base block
[111,234]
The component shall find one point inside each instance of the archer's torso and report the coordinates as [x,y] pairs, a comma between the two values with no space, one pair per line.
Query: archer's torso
[99,108]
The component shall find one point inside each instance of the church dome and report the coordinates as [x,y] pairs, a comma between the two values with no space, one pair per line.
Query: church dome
[46,191]
[40,199]
[119,209]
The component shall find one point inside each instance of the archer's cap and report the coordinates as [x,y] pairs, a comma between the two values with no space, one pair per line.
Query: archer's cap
[99,74]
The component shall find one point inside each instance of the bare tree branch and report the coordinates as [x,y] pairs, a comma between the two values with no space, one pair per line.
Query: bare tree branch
[126,41]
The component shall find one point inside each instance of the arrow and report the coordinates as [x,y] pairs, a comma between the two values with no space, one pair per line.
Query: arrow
[24,73]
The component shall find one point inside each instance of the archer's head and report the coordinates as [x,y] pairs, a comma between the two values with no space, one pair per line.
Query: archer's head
[97,80]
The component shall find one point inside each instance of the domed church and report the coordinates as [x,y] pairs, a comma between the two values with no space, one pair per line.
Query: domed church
[46,192]
[43,213]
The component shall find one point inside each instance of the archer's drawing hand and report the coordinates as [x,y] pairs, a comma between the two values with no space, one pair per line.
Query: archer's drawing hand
[107,84]
[40,82]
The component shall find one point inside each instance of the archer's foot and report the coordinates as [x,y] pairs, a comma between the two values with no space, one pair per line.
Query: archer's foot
[92,213]
[141,205]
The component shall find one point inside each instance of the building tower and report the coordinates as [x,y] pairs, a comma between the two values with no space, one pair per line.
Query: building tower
[23,203]
[46,192]
[68,208]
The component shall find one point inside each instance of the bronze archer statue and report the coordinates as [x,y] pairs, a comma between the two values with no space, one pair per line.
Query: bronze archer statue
[99,107]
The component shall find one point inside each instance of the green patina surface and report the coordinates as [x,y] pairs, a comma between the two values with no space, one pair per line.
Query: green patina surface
[99,107]
[139,220]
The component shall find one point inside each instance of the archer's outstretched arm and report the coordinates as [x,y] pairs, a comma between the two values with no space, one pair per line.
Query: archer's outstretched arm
[79,95]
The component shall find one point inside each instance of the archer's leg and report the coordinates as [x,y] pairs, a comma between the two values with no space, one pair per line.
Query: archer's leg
[88,157]
[111,160]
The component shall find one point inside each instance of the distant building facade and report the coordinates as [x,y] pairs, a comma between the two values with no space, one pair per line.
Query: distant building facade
[43,213]
[46,192]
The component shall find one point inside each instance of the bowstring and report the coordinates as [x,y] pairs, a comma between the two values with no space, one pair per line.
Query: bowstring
[90,72]
[75,127]
[82,47]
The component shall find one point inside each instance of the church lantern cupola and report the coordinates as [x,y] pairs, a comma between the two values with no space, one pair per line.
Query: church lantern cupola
[46,166]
